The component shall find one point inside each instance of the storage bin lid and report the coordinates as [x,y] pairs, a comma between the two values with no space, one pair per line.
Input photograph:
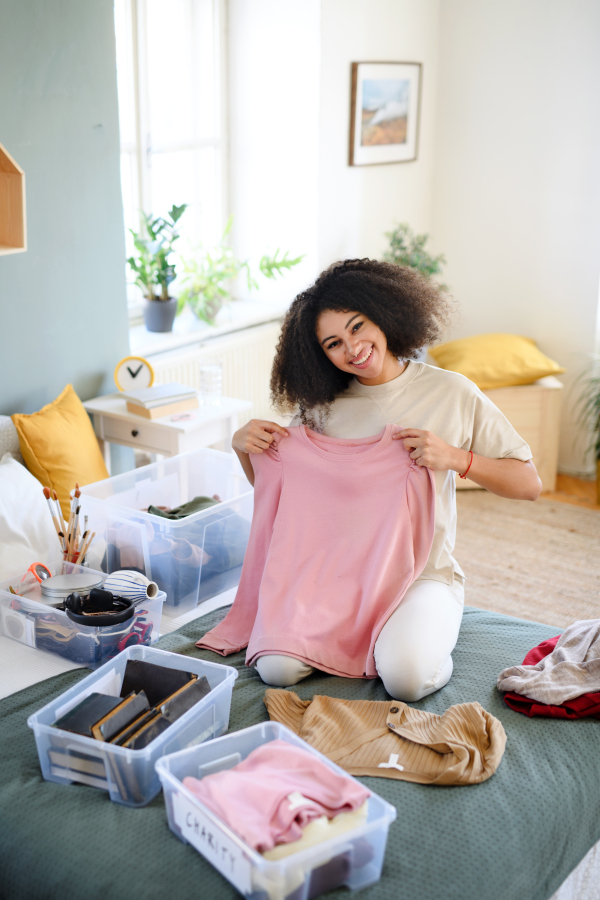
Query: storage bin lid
[60,586]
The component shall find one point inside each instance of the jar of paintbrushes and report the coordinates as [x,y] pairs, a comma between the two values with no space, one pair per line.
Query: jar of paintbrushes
[73,535]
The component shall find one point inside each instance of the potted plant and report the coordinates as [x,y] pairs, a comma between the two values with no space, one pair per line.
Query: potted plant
[589,412]
[207,276]
[153,268]
[408,249]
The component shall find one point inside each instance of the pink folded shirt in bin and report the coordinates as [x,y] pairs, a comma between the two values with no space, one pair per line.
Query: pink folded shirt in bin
[269,797]
[341,529]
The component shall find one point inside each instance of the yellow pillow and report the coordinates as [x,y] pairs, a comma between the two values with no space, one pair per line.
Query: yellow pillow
[495,360]
[59,446]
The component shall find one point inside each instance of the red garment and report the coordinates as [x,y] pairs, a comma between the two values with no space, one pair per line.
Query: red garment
[588,705]
[341,529]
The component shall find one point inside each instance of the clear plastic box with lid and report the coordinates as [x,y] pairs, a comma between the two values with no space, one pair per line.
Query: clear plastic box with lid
[34,619]
[191,559]
[128,775]
[353,859]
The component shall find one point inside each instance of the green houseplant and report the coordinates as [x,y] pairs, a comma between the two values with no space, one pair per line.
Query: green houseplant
[153,269]
[208,273]
[408,249]
[589,412]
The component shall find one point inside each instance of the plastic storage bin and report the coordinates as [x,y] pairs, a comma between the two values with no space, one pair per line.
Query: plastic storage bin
[128,775]
[353,859]
[190,559]
[32,619]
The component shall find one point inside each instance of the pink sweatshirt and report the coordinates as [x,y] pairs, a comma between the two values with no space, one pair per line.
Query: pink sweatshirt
[275,792]
[341,529]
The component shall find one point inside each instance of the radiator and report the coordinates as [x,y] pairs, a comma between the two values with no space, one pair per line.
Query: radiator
[246,357]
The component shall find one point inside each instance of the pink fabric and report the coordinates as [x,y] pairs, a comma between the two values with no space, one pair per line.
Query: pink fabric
[253,798]
[341,529]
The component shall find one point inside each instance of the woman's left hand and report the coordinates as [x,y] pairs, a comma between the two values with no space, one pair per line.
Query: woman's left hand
[427,449]
[512,478]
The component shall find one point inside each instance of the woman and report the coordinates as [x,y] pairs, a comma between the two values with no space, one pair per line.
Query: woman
[347,362]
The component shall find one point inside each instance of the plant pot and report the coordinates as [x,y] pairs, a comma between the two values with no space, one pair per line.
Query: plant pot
[598,482]
[159,315]
[206,310]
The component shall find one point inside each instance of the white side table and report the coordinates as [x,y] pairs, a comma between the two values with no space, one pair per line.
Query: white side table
[168,436]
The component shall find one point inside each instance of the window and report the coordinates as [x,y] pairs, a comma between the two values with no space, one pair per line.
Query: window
[169,74]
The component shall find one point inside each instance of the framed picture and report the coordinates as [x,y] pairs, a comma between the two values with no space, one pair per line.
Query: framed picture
[384,115]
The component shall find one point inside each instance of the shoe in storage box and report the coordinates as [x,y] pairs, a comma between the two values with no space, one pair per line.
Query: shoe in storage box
[191,559]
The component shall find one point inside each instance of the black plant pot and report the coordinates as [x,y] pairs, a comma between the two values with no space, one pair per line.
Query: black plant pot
[159,315]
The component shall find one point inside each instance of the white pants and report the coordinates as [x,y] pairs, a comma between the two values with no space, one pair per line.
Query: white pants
[413,650]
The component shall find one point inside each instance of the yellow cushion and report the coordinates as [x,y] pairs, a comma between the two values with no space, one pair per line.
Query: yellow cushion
[59,446]
[495,360]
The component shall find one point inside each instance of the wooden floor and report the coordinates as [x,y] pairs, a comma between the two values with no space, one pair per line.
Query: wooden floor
[575,491]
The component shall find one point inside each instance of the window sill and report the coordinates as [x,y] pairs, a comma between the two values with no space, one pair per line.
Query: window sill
[188,329]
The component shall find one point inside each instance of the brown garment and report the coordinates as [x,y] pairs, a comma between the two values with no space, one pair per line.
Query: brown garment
[366,737]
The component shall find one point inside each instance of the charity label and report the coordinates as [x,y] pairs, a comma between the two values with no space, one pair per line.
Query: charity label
[212,843]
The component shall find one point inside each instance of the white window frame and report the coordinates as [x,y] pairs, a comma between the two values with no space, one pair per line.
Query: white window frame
[142,149]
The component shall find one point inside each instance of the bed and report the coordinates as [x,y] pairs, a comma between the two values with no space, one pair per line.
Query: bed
[514,837]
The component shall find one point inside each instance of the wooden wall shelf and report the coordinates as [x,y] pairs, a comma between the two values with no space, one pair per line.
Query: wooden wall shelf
[13,235]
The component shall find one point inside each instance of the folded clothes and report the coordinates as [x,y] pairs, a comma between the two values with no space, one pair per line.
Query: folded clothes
[586,706]
[273,794]
[213,544]
[319,830]
[569,671]
[186,509]
[392,740]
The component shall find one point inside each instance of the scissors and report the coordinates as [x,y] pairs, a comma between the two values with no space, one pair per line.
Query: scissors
[39,571]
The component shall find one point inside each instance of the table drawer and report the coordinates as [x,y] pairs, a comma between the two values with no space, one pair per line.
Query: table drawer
[143,434]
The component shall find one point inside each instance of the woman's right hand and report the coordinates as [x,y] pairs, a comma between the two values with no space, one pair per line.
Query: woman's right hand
[256,436]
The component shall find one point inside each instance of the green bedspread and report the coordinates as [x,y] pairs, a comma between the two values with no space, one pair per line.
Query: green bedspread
[515,837]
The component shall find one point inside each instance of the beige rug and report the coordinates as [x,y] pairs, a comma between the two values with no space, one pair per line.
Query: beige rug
[538,561]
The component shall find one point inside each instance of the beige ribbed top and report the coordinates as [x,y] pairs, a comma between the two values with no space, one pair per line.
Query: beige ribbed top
[392,740]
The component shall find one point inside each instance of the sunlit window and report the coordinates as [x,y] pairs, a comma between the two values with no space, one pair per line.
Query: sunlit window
[171,116]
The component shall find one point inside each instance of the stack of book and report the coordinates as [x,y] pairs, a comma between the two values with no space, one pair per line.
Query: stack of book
[161,400]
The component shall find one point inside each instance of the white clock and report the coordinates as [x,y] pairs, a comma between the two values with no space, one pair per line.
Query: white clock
[133,372]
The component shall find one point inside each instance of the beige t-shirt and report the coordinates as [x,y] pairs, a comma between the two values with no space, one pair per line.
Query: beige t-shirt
[450,406]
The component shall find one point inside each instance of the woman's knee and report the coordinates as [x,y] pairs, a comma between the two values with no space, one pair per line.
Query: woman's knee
[410,680]
[281,671]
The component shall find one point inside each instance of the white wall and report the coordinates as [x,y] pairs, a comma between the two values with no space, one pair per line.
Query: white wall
[358,204]
[273,70]
[507,179]
[517,175]
[289,89]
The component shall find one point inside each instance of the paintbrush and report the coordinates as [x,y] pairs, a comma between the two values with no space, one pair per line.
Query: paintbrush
[75,541]
[77,507]
[85,547]
[72,545]
[70,534]
[59,531]
[62,523]
[79,546]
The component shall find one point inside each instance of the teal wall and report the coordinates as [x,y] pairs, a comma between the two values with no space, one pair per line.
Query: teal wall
[63,310]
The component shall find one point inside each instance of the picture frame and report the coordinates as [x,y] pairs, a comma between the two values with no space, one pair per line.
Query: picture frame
[384,112]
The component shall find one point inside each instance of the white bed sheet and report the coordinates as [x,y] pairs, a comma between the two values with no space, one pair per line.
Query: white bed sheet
[584,882]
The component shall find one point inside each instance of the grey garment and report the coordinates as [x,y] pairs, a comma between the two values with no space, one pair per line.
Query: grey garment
[572,669]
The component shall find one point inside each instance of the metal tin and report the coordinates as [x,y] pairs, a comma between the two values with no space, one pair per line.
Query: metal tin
[60,586]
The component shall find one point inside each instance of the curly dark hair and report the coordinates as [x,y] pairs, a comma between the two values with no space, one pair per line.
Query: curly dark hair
[410,310]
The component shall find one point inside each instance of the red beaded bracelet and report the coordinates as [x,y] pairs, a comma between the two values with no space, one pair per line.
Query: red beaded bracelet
[469,466]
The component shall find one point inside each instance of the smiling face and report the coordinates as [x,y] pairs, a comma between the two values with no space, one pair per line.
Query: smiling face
[355,344]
